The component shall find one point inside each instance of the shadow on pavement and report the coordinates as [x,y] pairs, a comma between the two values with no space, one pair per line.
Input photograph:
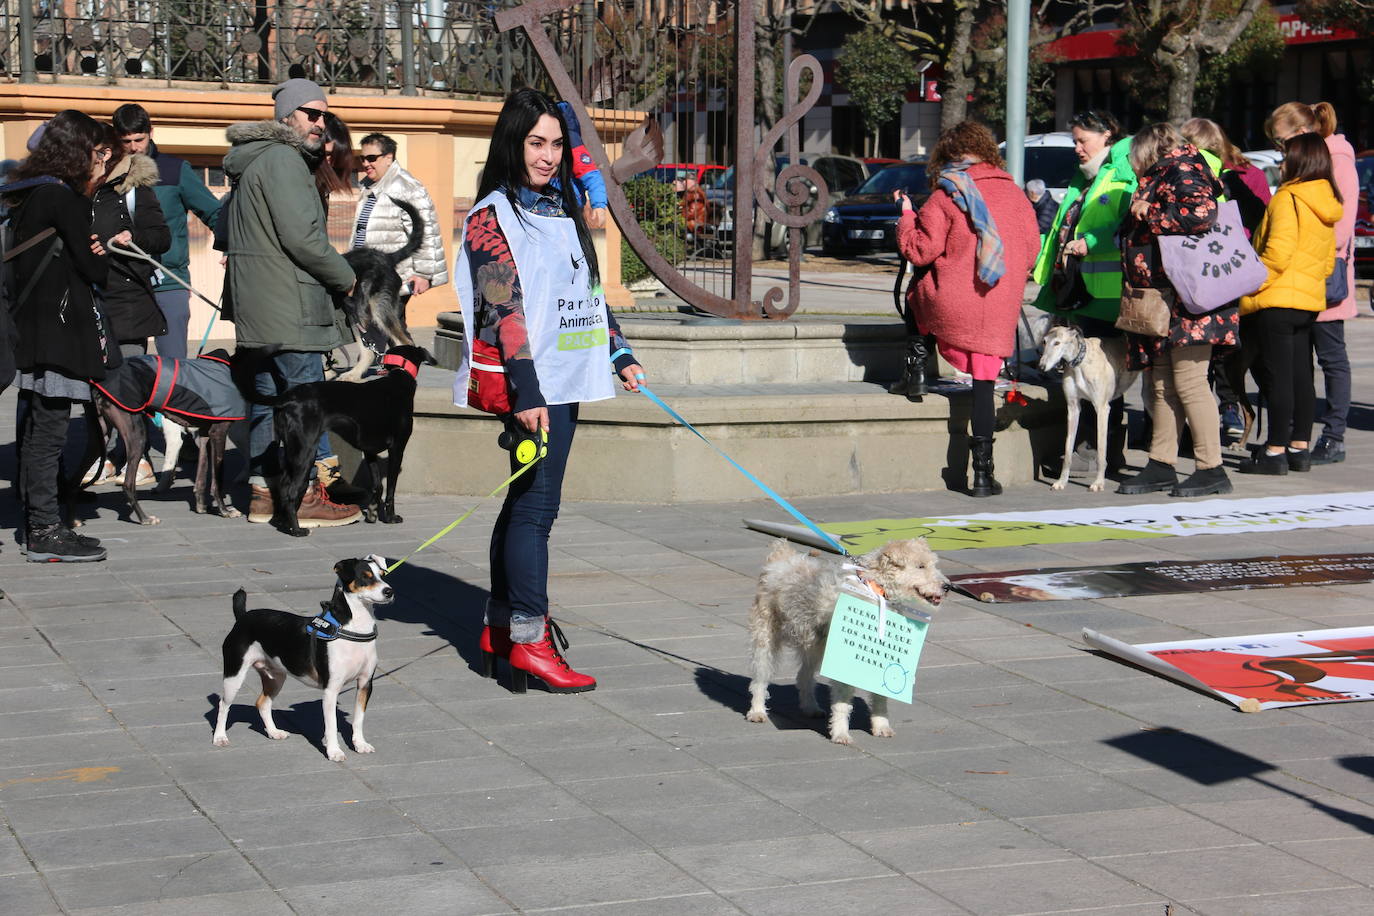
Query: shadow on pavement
[1211,764]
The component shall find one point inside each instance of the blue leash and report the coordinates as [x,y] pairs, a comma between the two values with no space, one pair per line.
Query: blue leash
[768,491]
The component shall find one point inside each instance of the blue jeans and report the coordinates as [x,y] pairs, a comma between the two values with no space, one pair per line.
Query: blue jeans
[520,539]
[285,370]
[1328,339]
[176,308]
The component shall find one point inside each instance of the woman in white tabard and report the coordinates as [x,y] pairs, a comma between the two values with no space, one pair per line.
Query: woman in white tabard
[528,283]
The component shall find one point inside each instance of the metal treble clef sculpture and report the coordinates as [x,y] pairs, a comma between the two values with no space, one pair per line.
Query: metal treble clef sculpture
[643,149]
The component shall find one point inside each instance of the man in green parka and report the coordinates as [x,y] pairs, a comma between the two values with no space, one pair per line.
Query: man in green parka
[282,273]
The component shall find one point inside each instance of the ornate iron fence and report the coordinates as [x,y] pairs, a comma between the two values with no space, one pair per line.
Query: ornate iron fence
[401,46]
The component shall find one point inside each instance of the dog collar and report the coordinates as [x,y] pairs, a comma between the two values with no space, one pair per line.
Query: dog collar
[1082,352]
[327,629]
[391,359]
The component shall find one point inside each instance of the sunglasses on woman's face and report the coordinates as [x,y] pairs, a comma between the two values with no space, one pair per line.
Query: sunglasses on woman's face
[311,114]
[372,157]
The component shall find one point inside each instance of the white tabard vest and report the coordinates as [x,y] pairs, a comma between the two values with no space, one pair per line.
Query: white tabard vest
[568,323]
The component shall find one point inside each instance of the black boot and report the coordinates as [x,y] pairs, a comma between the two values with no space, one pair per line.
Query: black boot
[984,484]
[912,384]
[1155,476]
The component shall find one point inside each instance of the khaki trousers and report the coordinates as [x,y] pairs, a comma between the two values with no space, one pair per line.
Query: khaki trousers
[1179,394]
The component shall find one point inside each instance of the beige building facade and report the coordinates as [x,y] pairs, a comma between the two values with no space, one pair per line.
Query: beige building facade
[441,141]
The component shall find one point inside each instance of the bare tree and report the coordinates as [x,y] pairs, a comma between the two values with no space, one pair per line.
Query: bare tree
[1176,38]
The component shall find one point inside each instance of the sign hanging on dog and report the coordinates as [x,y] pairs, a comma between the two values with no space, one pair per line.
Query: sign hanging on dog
[874,648]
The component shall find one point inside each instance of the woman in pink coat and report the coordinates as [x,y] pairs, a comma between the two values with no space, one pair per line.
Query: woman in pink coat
[978,237]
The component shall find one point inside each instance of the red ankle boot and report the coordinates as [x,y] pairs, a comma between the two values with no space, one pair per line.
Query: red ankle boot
[545,661]
[495,643]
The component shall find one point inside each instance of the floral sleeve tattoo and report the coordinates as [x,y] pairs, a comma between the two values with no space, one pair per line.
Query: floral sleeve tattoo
[500,302]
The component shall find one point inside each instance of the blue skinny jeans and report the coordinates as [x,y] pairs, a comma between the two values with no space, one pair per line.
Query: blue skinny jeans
[520,539]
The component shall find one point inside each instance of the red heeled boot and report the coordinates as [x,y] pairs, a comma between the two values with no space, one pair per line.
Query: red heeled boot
[545,661]
[495,643]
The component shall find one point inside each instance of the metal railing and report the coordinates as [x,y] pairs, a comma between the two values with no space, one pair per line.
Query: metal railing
[400,46]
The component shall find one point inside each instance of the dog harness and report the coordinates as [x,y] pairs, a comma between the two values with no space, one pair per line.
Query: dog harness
[327,628]
[393,360]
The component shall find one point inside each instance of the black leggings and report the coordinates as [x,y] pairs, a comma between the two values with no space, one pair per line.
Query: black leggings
[984,409]
[1277,345]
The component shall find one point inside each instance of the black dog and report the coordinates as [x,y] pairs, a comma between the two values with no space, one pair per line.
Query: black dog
[374,309]
[374,416]
[197,394]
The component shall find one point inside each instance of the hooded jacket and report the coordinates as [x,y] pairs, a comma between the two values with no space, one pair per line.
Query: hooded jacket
[128,286]
[179,191]
[1297,243]
[282,268]
[1105,202]
[388,229]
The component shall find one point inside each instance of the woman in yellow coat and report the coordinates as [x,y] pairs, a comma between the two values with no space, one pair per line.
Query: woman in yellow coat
[1297,242]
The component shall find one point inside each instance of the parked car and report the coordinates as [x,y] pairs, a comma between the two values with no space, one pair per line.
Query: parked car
[720,199]
[842,175]
[1050,157]
[866,220]
[1269,162]
[670,172]
[1364,217]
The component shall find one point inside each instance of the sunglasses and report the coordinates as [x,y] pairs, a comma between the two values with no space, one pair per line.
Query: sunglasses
[372,157]
[311,114]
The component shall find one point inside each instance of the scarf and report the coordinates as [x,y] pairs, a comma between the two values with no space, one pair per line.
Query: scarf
[955,182]
[1094,165]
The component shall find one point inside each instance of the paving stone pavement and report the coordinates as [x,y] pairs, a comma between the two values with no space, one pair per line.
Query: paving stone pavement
[1029,776]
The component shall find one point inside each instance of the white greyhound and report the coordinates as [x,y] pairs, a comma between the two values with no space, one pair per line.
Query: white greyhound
[1095,371]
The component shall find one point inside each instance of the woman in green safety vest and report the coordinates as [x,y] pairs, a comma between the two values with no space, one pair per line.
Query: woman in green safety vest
[1079,268]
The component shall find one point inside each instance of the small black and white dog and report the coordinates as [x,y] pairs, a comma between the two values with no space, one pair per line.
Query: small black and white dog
[374,309]
[328,651]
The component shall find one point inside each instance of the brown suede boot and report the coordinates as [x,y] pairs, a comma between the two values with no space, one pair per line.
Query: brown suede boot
[260,510]
[319,511]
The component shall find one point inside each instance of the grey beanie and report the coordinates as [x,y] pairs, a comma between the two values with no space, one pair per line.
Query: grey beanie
[292,94]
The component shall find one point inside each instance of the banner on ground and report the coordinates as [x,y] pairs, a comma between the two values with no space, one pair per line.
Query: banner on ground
[1165,577]
[1264,671]
[1123,522]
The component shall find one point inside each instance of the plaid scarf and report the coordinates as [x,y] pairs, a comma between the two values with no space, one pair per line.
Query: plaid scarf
[955,182]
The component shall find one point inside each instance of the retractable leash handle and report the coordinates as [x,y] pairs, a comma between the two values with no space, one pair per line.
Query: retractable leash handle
[767,490]
[525,466]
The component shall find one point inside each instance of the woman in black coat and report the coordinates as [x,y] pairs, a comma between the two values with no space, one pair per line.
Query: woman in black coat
[125,209]
[61,335]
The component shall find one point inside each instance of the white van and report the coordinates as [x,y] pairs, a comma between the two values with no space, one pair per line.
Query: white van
[1050,157]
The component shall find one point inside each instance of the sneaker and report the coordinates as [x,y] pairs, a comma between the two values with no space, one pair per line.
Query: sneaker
[1232,421]
[57,544]
[1299,460]
[99,473]
[260,510]
[1203,482]
[1328,451]
[319,511]
[1265,463]
[1155,476]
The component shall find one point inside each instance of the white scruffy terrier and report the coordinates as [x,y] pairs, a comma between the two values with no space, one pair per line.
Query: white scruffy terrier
[793,606]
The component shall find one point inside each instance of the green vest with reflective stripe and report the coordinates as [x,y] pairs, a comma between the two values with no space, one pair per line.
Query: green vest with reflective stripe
[1105,202]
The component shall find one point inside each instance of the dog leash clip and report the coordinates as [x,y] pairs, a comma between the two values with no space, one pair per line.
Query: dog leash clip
[856,573]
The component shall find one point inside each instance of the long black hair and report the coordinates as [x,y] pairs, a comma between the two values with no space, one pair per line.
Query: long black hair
[505,168]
